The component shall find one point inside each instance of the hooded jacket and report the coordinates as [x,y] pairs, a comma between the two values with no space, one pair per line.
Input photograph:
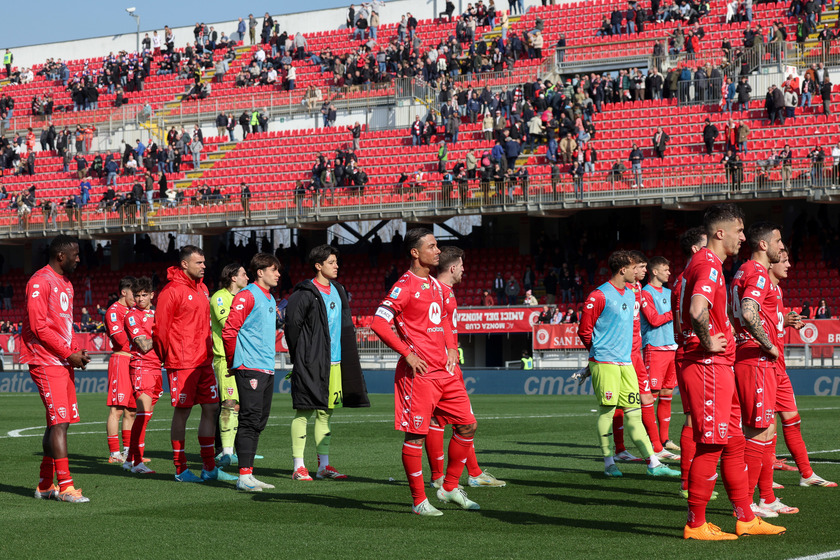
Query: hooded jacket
[308,337]
[181,334]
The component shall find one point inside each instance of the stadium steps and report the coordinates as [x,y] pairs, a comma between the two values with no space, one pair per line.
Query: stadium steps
[206,165]
[496,32]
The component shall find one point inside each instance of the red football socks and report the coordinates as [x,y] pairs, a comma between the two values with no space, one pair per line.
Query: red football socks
[412,459]
[138,437]
[663,417]
[753,457]
[114,444]
[459,448]
[765,479]
[126,438]
[687,450]
[179,456]
[618,430]
[472,463]
[208,452]
[649,421]
[434,450]
[246,471]
[792,429]
[62,471]
[733,470]
[701,482]
[47,473]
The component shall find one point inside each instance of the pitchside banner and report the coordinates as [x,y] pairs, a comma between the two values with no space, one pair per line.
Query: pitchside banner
[821,382]
[492,320]
[818,332]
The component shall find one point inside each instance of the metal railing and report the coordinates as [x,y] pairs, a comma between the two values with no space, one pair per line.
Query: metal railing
[539,193]
[803,56]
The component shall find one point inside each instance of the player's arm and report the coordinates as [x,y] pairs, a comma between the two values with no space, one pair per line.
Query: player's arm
[652,316]
[164,313]
[219,313]
[700,323]
[39,321]
[382,326]
[751,319]
[138,338]
[451,343]
[242,305]
[591,311]
[116,330]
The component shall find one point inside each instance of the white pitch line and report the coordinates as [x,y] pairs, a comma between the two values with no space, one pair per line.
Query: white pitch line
[821,556]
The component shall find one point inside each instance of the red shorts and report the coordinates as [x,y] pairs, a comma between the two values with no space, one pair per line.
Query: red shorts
[785,399]
[189,387]
[713,400]
[678,364]
[119,382]
[417,399]
[147,382]
[661,370]
[641,373]
[756,383]
[57,387]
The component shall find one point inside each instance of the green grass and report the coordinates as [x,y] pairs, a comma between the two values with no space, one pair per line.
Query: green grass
[557,503]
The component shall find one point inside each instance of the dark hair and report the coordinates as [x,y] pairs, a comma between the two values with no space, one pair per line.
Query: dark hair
[658,261]
[618,260]
[187,251]
[449,255]
[690,238]
[61,244]
[127,283]
[261,261]
[319,255]
[637,257]
[413,237]
[760,231]
[228,272]
[724,212]
[142,284]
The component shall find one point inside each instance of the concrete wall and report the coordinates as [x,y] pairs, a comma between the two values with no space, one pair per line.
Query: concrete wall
[305,22]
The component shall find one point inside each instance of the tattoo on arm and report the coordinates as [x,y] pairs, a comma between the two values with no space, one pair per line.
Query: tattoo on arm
[750,312]
[701,328]
[143,343]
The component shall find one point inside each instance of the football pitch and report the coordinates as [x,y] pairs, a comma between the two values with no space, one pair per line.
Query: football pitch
[557,503]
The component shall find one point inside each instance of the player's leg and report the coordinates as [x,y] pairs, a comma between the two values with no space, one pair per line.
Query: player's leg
[663,418]
[618,436]
[434,450]
[756,393]
[792,430]
[647,401]
[112,429]
[125,394]
[256,390]
[666,380]
[606,384]
[138,433]
[177,435]
[128,418]
[322,429]
[229,412]
[46,489]
[454,407]
[298,428]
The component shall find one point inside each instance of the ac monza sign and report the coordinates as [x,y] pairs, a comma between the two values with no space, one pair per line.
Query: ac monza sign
[557,337]
[809,333]
[489,320]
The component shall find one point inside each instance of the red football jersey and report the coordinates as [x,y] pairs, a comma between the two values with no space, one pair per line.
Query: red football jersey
[416,307]
[779,339]
[704,277]
[752,281]
[139,322]
[115,323]
[450,307]
[47,332]
[636,288]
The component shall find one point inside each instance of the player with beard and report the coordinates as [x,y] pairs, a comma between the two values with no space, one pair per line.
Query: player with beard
[425,383]
[49,351]
[450,271]
[757,320]
[709,382]
[786,401]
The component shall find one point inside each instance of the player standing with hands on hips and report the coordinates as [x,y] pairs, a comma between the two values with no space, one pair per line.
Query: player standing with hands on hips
[425,383]
[49,351]
[249,337]
[326,372]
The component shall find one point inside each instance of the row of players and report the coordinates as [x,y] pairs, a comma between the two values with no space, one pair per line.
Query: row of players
[318,323]
[731,375]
